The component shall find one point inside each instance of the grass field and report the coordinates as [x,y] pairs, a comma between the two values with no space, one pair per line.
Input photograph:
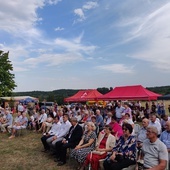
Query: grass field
[24,153]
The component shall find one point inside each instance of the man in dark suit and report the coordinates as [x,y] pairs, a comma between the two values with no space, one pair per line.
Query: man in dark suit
[70,141]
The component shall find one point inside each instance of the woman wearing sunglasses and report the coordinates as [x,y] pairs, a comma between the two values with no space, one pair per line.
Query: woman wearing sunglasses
[124,153]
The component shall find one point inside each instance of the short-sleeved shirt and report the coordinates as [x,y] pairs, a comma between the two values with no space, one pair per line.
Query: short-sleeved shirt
[165,138]
[153,152]
[141,136]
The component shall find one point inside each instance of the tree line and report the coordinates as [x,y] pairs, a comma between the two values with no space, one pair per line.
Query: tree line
[59,95]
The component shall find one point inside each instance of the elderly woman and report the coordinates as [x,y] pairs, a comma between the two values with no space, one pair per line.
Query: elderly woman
[86,145]
[105,143]
[124,153]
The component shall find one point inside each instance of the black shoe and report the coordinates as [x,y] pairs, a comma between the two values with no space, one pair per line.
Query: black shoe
[45,150]
[57,160]
[61,163]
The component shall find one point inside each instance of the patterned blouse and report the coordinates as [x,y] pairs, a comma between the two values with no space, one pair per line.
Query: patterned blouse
[87,137]
[128,147]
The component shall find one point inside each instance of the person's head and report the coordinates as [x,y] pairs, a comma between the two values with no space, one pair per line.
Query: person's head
[165,117]
[93,119]
[60,112]
[126,105]
[127,129]
[24,114]
[109,114]
[167,125]
[65,117]
[114,118]
[91,126]
[127,116]
[97,112]
[118,104]
[86,113]
[42,111]
[74,121]
[151,132]
[107,129]
[145,122]
[19,114]
[153,117]
[7,111]
[56,119]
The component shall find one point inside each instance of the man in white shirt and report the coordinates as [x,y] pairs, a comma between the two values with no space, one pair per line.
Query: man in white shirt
[154,122]
[42,118]
[54,129]
[61,133]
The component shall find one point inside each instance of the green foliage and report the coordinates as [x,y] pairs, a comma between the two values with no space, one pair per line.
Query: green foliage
[103,90]
[7,83]
[160,90]
[59,95]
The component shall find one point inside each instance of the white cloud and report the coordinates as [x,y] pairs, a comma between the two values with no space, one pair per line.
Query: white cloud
[53,2]
[116,68]
[54,59]
[79,12]
[90,5]
[59,29]
[74,45]
[87,6]
[20,17]
[154,31]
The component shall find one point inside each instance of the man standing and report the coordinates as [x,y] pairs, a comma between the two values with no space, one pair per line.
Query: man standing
[155,151]
[119,110]
[70,141]
[99,120]
[165,138]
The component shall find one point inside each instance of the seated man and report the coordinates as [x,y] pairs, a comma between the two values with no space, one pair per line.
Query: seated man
[7,121]
[155,151]
[60,134]
[42,118]
[22,124]
[70,141]
[154,121]
[165,138]
[54,129]
[164,119]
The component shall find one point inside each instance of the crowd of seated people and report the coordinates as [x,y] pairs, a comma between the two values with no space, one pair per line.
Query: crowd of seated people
[95,133]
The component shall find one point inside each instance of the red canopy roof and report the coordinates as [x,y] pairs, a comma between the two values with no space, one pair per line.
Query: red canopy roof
[84,95]
[136,92]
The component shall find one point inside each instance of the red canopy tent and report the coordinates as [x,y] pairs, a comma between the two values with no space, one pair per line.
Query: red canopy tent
[84,95]
[136,92]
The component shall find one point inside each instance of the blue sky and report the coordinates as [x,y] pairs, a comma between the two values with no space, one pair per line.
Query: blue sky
[81,44]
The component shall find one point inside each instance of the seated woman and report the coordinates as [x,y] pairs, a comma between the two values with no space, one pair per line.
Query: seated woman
[116,128]
[86,145]
[105,143]
[124,153]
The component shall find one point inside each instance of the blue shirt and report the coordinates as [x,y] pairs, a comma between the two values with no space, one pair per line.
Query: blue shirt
[165,138]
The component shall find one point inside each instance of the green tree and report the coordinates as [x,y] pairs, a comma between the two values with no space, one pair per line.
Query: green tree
[7,83]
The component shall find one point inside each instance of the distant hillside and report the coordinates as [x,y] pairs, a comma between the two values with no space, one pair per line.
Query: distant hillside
[59,95]
[160,90]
